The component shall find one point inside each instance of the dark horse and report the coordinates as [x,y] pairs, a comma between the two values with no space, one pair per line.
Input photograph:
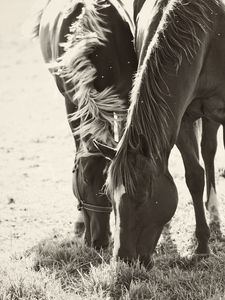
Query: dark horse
[180,46]
[88,46]
[188,146]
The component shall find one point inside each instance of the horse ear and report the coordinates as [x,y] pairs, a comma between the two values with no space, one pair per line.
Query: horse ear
[143,144]
[107,151]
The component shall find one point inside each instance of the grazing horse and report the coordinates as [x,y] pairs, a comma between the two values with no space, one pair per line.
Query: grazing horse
[180,46]
[88,47]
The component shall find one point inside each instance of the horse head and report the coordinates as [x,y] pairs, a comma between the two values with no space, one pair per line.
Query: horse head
[144,199]
[89,176]
[82,45]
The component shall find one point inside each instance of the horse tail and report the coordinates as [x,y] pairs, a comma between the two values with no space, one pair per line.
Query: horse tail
[95,108]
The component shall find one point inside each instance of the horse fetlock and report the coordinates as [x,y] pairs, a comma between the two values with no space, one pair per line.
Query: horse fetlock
[203,248]
[213,207]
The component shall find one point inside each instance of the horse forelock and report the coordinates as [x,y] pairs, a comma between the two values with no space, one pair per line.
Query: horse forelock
[95,108]
[121,173]
[175,39]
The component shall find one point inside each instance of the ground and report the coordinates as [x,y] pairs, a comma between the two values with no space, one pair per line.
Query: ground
[36,146]
[37,152]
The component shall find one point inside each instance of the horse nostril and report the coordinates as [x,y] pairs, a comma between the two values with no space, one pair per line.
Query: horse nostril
[126,255]
[100,244]
[125,259]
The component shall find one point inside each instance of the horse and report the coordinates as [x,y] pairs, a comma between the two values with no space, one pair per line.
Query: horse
[187,143]
[180,46]
[88,48]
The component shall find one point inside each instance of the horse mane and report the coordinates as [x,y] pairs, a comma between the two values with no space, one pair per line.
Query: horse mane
[95,109]
[176,37]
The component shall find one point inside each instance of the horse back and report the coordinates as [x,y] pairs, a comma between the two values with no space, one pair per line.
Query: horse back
[115,60]
[146,23]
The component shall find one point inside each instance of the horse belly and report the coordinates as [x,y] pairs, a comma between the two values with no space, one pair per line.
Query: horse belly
[212,108]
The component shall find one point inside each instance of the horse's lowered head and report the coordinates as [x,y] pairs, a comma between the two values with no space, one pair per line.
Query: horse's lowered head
[89,177]
[81,43]
[144,198]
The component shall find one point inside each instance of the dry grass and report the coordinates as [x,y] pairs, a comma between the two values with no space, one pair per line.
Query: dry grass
[66,269]
[36,200]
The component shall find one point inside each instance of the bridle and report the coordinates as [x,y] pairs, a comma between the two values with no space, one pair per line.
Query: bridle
[86,206]
[93,208]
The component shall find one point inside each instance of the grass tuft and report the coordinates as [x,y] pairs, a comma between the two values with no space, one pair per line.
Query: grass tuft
[67,269]
[18,282]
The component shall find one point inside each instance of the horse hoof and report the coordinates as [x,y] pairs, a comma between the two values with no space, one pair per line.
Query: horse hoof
[201,253]
[197,258]
[79,229]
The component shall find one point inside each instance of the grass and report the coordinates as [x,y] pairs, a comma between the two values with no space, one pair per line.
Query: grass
[66,269]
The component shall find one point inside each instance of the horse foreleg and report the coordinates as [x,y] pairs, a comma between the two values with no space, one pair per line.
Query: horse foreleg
[194,175]
[208,148]
[79,225]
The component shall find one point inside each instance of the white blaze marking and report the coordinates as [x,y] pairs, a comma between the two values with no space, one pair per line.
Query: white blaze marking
[213,206]
[117,196]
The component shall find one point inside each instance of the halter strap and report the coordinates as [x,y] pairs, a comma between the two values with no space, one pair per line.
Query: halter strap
[90,207]
[93,208]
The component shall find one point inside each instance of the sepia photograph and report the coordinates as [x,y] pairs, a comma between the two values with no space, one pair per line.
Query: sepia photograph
[112,150]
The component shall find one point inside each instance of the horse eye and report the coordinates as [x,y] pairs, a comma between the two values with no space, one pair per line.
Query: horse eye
[86,180]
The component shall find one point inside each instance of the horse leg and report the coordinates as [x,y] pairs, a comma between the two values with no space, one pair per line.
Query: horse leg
[208,149]
[79,225]
[194,175]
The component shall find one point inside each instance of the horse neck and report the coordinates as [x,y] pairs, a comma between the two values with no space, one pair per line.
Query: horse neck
[168,75]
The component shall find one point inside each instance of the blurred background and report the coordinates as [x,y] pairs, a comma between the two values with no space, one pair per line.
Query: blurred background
[36,147]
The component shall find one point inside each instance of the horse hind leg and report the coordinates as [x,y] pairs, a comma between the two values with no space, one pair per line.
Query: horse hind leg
[194,174]
[208,149]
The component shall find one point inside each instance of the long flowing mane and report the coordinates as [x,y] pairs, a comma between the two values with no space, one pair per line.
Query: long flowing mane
[95,109]
[175,39]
